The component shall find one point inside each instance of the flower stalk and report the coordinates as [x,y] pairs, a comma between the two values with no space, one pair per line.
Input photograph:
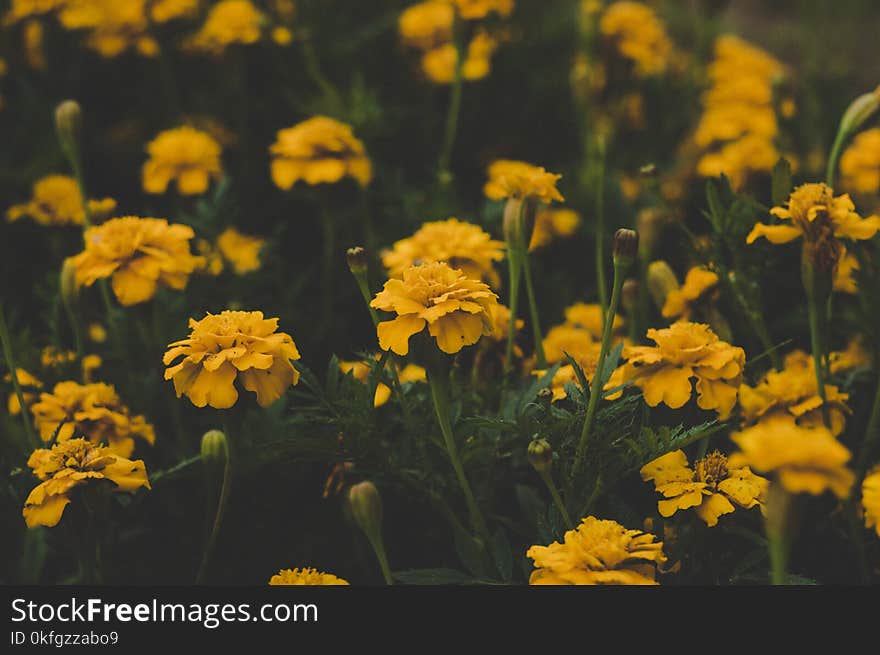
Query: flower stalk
[9,356]
[444,175]
[816,287]
[519,214]
[215,455]
[540,456]
[777,526]
[365,505]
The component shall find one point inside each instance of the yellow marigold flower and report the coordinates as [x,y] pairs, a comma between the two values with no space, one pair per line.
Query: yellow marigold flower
[184,154]
[860,163]
[240,250]
[462,245]
[815,214]
[162,11]
[588,316]
[679,302]
[138,254]
[598,553]
[500,323]
[227,345]
[52,357]
[70,464]
[439,63]
[854,356]
[792,393]
[427,25]
[476,9]
[228,22]
[93,411]
[566,338]
[113,26]
[518,179]
[844,280]
[318,150]
[709,487]
[871,499]
[90,364]
[455,308]
[552,224]
[684,351]
[20,9]
[57,201]
[97,333]
[305,576]
[804,460]
[29,383]
[638,35]
[360,371]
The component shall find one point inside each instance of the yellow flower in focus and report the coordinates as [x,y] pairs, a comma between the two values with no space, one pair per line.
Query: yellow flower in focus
[228,22]
[804,460]
[229,345]
[318,150]
[93,411]
[462,245]
[162,11]
[638,35]
[552,224]
[240,250]
[684,351]
[476,9]
[57,201]
[679,302]
[138,254]
[598,553]
[455,308]
[183,154]
[518,179]
[114,27]
[305,576]
[588,316]
[871,500]
[70,464]
[30,385]
[360,371]
[860,163]
[709,487]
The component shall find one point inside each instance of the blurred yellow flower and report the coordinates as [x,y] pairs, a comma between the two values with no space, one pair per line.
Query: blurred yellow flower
[282,35]
[460,244]
[455,308]
[476,9]
[360,371]
[183,154]
[427,25]
[638,35]
[518,179]
[69,465]
[709,487]
[57,201]
[228,22]
[90,364]
[162,11]
[871,499]
[860,163]
[33,45]
[30,385]
[240,250]
[684,351]
[20,9]
[571,339]
[97,333]
[305,576]
[552,224]
[854,356]
[588,316]
[93,411]
[792,393]
[212,260]
[439,63]
[231,344]
[114,27]
[318,150]
[804,460]
[598,553]
[679,302]
[138,254]
[52,357]
[501,322]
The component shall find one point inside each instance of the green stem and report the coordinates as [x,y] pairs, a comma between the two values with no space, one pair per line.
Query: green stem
[872,436]
[9,356]
[816,341]
[777,541]
[831,168]
[541,360]
[218,515]
[74,161]
[514,267]
[313,70]
[595,385]
[453,111]
[439,381]
[600,225]
[557,499]
[378,546]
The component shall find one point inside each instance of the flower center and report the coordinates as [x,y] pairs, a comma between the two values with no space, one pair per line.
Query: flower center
[712,469]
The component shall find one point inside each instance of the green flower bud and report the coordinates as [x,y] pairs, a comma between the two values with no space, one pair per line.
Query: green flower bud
[67,283]
[365,505]
[215,449]
[357,259]
[661,281]
[541,456]
[626,246]
[68,124]
[859,111]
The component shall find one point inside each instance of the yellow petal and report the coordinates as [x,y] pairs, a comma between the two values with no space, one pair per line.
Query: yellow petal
[671,385]
[214,388]
[47,513]
[394,335]
[456,330]
[712,507]
[773,233]
[270,384]
[131,288]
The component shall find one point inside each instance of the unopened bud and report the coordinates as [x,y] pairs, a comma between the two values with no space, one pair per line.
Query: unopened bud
[68,124]
[648,171]
[215,449]
[541,456]
[357,259]
[626,246]
[67,283]
[519,221]
[661,282]
[365,504]
[859,111]
[545,396]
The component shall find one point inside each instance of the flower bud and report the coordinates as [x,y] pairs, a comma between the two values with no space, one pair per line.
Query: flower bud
[541,456]
[626,246]
[859,111]
[68,124]
[648,171]
[519,221]
[661,282]
[357,259]
[629,295]
[215,449]
[365,504]
[67,283]
[545,396]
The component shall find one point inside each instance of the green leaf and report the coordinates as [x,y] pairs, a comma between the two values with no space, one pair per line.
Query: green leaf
[579,373]
[611,363]
[432,577]
[781,182]
[716,209]
[502,554]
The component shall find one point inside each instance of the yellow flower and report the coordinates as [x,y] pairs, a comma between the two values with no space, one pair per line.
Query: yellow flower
[460,244]
[500,324]
[52,357]
[93,411]
[589,317]
[360,371]
[871,499]
[184,154]
[855,356]
[57,201]
[318,150]
[228,22]
[518,179]
[815,214]
[598,553]
[212,260]
[282,35]
[684,351]
[30,385]
[113,26]
[439,63]
[227,345]
[305,576]
[844,280]
[860,163]
[456,309]
[97,333]
[162,11]
[20,9]
[708,487]
[792,393]
[90,364]
[552,224]
[427,25]
[476,9]
[70,464]
[804,460]
[638,35]
[679,302]
[138,254]
[567,338]
[240,250]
